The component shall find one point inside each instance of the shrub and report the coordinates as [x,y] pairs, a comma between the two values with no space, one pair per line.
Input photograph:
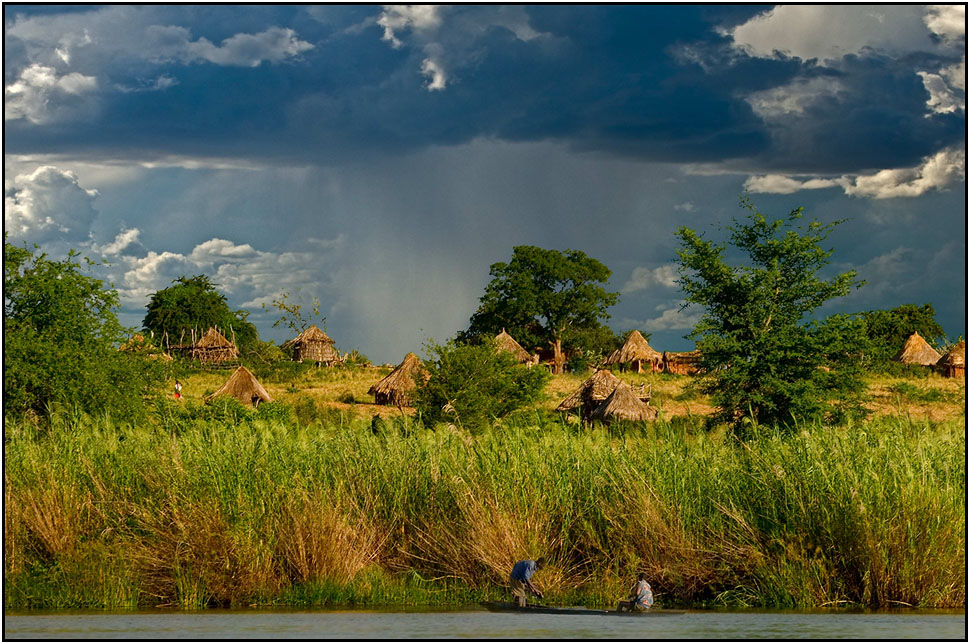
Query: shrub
[471,385]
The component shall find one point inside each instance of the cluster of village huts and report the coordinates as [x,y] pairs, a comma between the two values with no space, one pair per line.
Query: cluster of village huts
[603,396]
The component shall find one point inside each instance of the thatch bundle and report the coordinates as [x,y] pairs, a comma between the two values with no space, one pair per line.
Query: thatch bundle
[591,393]
[213,347]
[684,363]
[954,363]
[917,351]
[312,344]
[396,388]
[243,386]
[623,404]
[636,351]
[505,342]
[139,344]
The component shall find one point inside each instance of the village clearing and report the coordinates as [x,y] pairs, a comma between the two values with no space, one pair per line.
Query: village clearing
[344,389]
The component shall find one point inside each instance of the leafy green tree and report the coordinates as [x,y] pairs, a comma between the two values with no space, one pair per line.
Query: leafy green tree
[194,303]
[473,384]
[887,330]
[546,297]
[763,355]
[61,340]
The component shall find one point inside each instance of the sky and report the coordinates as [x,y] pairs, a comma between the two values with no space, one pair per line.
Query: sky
[381,158]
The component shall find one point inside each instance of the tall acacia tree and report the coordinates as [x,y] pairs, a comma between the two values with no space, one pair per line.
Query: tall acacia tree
[546,297]
[765,358]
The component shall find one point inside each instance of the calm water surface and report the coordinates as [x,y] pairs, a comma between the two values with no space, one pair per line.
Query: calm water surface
[480,624]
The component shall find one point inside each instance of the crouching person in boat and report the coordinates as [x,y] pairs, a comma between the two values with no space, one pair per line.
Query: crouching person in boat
[521,579]
[641,596]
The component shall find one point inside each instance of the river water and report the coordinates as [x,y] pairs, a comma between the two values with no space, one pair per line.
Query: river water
[480,624]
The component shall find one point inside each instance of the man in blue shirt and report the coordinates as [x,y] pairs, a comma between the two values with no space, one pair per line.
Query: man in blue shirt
[641,596]
[521,578]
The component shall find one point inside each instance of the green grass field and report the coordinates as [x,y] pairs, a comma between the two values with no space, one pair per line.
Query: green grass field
[312,503]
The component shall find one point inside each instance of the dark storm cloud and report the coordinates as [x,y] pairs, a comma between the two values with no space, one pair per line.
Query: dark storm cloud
[618,79]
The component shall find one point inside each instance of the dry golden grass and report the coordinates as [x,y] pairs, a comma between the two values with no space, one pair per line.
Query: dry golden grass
[337,387]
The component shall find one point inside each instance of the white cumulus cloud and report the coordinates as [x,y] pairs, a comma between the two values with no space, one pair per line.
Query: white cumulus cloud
[274,45]
[416,17]
[937,172]
[48,204]
[40,95]
[643,278]
[830,32]
[949,22]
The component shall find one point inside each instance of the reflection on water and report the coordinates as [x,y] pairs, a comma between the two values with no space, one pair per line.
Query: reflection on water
[479,624]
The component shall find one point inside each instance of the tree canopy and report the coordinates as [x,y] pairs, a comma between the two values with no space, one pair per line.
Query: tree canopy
[473,384]
[195,303]
[763,355]
[887,330]
[61,340]
[547,298]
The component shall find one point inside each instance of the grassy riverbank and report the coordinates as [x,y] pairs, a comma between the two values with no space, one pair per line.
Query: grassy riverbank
[215,507]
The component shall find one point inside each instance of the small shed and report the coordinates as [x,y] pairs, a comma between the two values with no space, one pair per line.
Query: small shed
[917,351]
[243,386]
[636,352]
[506,342]
[954,363]
[213,347]
[397,387]
[313,344]
[623,404]
[684,363]
[591,393]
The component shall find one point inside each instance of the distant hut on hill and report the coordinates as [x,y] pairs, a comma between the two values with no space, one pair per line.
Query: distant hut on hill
[684,363]
[954,363]
[623,404]
[505,342]
[243,386]
[312,344]
[213,347]
[917,351]
[397,387]
[635,352]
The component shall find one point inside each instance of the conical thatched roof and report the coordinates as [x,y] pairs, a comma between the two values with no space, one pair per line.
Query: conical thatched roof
[917,351]
[213,340]
[592,392]
[312,344]
[396,387]
[310,335]
[623,404]
[635,348]
[955,357]
[243,386]
[507,343]
[213,347]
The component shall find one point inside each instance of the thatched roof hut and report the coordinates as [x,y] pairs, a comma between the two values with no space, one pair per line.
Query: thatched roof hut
[954,363]
[312,344]
[684,363]
[506,342]
[635,352]
[396,388]
[592,392]
[139,344]
[243,386]
[623,404]
[917,351]
[213,347]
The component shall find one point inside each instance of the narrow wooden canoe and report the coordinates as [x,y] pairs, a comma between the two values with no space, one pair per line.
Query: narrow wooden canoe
[509,607]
